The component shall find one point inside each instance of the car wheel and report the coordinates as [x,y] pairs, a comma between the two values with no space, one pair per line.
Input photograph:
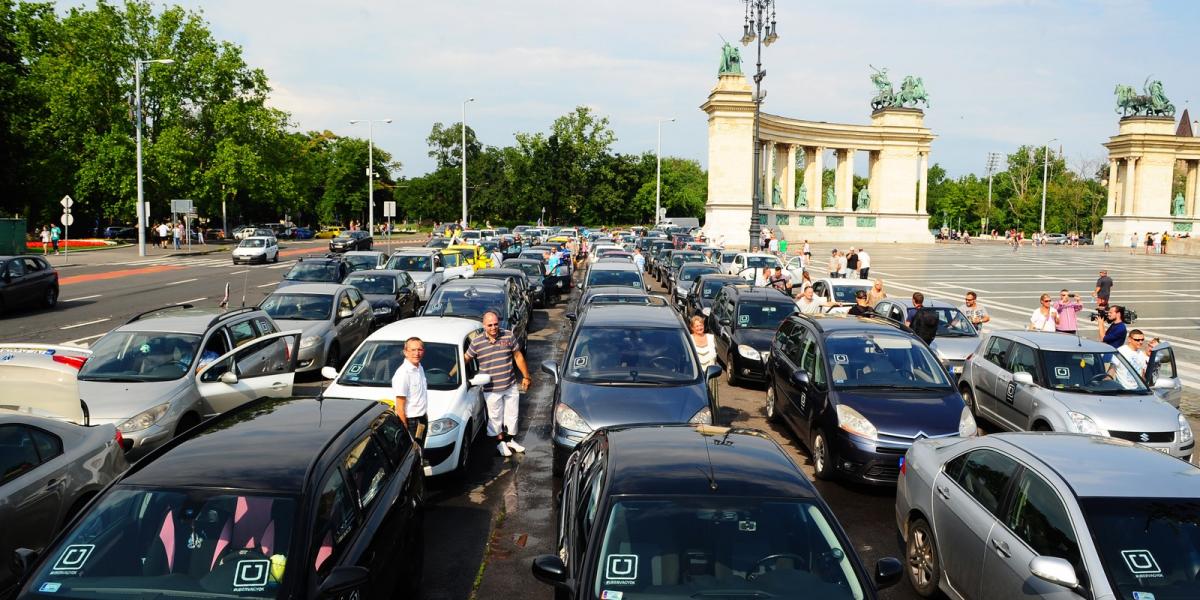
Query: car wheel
[731,371]
[559,460]
[188,421]
[276,259]
[822,458]
[464,453]
[924,570]
[773,415]
[969,399]
[51,297]
[333,358]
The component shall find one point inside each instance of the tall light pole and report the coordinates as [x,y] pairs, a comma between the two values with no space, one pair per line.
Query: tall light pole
[993,160]
[658,171]
[1045,173]
[370,168]
[137,102]
[464,160]
[759,19]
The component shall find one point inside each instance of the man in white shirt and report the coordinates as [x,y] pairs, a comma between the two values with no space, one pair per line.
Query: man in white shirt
[411,391]
[809,305]
[1137,351]
[864,263]
[496,257]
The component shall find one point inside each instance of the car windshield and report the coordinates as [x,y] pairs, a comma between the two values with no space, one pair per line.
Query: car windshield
[376,362]
[1091,372]
[135,356]
[763,315]
[360,262]
[373,284]
[951,323]
[403,262]
[345,236]
[882,360]
[624,355]
[527,268]
[845,294]
[470,235]
[710,288]
[727,258]
[627,278]
[691,273]
[762,262]
[639,299]
[1150,547]
[469,302]
[678,258]
[451,260]
[252,243]
[744,548]
[314,271]
[298,307]
[138,542]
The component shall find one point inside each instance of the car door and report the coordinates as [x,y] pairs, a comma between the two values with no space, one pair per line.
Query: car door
[720,324]
[17,288]
[795,268]
[1036,523]
[1163,376]
[33,482]
[265,367]
[967,495]
[363,318]
[406,296]
[814,401]
[990,376]
[40,275]
[821,289]
[380,469]
[1016,406]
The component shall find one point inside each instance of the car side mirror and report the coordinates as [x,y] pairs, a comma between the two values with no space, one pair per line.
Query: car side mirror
[345,313]
[1054,570]
[329,372]
[481,379]
[439,270]
[800,377]
[887,572]
[713,371]
[22,561]
[228,378]
[343,580]
[725,322]
[1023,378]
[572,316]
[550,569]
[550,367]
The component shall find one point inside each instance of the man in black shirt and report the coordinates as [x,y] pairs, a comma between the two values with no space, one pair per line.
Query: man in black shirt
[852,263]
[861,308]
[1103,289]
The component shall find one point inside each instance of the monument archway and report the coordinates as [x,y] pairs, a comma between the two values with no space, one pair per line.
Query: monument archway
[895,144]
[1141,173]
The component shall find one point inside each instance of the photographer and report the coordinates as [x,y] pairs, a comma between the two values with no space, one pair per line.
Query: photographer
[1068,307]
[1112,328]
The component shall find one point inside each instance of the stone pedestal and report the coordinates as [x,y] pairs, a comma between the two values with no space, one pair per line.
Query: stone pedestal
[730,109]
[1142,158]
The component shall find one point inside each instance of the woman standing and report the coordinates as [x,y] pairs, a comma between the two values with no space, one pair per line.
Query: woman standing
[876,293]
[706,349]
[1044,317]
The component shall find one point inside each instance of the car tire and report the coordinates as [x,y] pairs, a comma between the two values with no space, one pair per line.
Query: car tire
[186,422]
[50,298]
[334,356]
[731,371]
[276,259]
[772,408]
[822,457]
[464,452]
[968,397]
[924,569]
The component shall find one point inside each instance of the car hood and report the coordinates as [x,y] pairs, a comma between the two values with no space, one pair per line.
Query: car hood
[685,286]
[955,348]
[606,405]
[420,275]
[306,328]
[759,339]
[113,402]
[249,250]
[907,413]
[378,300]
[442,403]
[1129,412]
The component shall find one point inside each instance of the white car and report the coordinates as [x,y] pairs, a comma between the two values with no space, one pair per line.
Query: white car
[256,248]
[594,252]
[750,264]
[840,291]
[456,411]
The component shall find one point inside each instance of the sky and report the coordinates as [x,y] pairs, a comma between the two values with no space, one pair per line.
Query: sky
[999,73]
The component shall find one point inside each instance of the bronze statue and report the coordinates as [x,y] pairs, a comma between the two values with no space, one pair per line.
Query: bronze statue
[731,60]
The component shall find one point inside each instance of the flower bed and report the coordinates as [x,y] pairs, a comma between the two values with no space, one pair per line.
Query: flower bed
[85,243]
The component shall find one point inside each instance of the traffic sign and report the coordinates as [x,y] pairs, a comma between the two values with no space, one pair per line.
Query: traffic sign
[66,202]
[66,211]
[389,208]
[182,206]
[68,219]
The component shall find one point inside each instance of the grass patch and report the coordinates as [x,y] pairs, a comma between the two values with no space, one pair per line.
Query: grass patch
[487,551]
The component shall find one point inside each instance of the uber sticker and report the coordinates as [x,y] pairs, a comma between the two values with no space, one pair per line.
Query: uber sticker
[251,573]
[144,348]
[6,358]
[356,368]
[743,319]
[1062,373]
[1141,563]
[841,359]
[72,559]
[1010,394]
[580,362]
[621,567]
[51,587]
[747,525]
[611,595]
[1143,596]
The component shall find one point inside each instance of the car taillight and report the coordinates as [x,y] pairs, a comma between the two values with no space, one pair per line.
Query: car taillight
[902,465]
[74,361]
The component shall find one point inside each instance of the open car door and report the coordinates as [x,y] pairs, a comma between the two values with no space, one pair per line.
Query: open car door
[262,368]
[1162,376]
[43,382]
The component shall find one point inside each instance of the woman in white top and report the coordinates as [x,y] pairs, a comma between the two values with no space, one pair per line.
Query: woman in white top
[1044,317]
[706,349]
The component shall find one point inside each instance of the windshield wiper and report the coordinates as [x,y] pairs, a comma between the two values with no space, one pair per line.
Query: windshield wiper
[353,384]
[731,594]
[113,379]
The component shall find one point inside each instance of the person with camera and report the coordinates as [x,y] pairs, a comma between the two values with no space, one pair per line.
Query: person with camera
[1068,307]
[1112,327]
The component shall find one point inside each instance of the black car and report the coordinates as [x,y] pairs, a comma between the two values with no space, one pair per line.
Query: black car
[438,242]
[743,320]
[558,281]
[392,294]
[520,283]
[627,364]
[622,273]
[707,285]
[658,261]
[317,269]
[670,268]
[25,281]
[351,240]
[698,512]
[279,498]
[858,391]
[685,278]
[471,298]
[535,275]
[615,294]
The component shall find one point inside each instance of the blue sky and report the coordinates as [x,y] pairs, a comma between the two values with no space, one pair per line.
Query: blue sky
[1000,73]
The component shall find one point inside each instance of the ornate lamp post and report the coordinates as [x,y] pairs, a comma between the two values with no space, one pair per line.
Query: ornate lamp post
[759,25]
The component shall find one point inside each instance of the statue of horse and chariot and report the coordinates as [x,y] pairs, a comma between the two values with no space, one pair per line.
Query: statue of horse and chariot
[1152,103]
[911,93]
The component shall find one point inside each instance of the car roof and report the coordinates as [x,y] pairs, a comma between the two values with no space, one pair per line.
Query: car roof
[750,292]
[701,264]
[435,329]
[368,273]
[702,461]
[258,237]
[630,316]
[1091,465]
[861,283]
[837,323]
[313,288]
[622,290]
[179,319]
[228,451]
[499,271]
[721,276]
[1056,342]
[615,266]
[522,261]
[362,253]
[929,303]
[492,285]
[422,250]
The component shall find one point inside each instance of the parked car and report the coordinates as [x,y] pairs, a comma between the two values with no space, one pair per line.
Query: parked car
[470,299]
[256,249]
[706,285]
[637,517]
[119,232]
[475,256]
[456,411]
[535,276]
[685,276]
[559,281]
[456,265]
[302,233]
[27,281]
[857,392]
[425,268]
[392,294]
[956,337]
[316,269]
[325,513]
[618,273]
[1037,381]
[351,240]
[750,264]
[332,319]
[1028,515]
[627,364]
[328,233]
[520,285]
[613,294]
[743,321]
[670,267]
[840,291]
[365,259]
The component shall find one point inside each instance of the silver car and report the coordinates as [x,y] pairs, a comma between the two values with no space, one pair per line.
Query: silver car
[1036,381]
[333,320]
[424,266]
[956,337]
[1057,516]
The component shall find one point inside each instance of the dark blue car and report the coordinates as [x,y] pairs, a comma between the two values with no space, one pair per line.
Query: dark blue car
[858,392]
[627,364]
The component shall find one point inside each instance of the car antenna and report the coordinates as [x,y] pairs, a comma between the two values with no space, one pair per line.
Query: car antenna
[709,474]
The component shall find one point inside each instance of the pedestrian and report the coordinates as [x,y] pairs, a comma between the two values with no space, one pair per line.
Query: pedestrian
[1165,236]
[496,257]
[164,235]
[780,280]
[852,263]
[1137,351]
[1133,241]
[834,264]
[639,259]
[876,293]
[55,235]
[925,323]
[918,300]
[412,391]
[1107,242]
[842,267]
[773,245]
[975,312]
[200,236]
[1103,290]
[808,304]
[178,235]
[45,240]
[806,250]
[864,264]
[861,307]
[1149,243]
[1044,317]
[1068,307]
[1158,243]
[1112,330]
[496,352]
[706,349]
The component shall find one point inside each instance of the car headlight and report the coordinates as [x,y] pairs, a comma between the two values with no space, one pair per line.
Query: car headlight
[312,340]
[1081,423]
[852,421]
[702,417]
[1185,430]
[706,310]
[144,419]
[443,425]
[382,310]
[748,352]
[567,418]
[966,424]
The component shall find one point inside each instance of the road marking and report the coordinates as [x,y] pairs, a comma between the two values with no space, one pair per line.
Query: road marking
[267,285]
[84,323]
[84,339]
[184,281]
[83,298]
[115,274]
[240,272]
[282,266]
[190,301]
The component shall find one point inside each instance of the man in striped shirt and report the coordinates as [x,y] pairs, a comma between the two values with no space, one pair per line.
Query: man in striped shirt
[496,351]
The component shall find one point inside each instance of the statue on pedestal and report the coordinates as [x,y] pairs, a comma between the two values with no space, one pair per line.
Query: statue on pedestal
[912,91]
[731,60]
[830,198]
[1153,102]
[776,194]
[864,200]
[802,196]
[1179,206]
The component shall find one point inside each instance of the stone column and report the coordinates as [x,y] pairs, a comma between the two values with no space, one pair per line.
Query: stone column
[789,178]
[814,171]
[1130,204]
[923,185]
[843,181]
[1112,187]
[1190,190]
[768,174]
[872,188]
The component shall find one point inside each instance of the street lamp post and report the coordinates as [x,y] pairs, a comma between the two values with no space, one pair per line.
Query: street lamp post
[759,19]
[1045,173]
[658,171]
[370,168]
[464,161]
[137,101]
[993,158]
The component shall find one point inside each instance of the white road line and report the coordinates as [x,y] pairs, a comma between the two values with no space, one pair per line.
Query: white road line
[267,285]
[240,272]
[83,339]
[84,323]
[190,301]
[280,266]
[82,298]
[184,281]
